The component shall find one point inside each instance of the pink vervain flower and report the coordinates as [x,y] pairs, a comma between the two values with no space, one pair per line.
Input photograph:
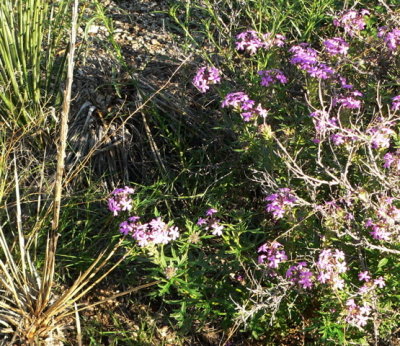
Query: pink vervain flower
[300,275]
[352,21]
[206,76]
[154,232]
[273,76]
[241,102]
[396,103]
[336,46]
[281,202]
[120,200]
[364,276]
[211,223]
[271,254]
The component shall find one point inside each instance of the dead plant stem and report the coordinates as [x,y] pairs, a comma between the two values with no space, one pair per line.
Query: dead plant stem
[48,273]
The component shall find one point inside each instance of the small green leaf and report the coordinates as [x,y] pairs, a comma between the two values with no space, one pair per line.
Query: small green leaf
[382,262]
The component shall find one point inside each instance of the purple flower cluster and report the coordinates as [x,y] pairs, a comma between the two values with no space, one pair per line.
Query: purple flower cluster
[273,76]
[279,203]
[388,211]
[344,137]
[127,226]
[391,38]
[349,100]
[336,46]
[369,285]
[392,160]
[396,103]
[120,200]
[357,315]
[235,100]
[206,76]
[271,254]
[352,21]
[250,41]
[241,102]
[388,215]
[306,58]
[321,71]
[380,137]
[154,232]
[211,223]
[330,264]
[303,55]
[300,275]
[379,229]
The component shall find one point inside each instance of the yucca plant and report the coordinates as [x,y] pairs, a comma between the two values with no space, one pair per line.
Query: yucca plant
[30,69]
[33,308]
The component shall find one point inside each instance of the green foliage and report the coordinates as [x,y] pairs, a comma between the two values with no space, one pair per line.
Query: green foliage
[212,159]
[32,57]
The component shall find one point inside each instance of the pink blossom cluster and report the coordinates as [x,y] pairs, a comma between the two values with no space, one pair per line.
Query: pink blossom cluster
[273,76]
[271,254]
[241,102]
[390,37]
[369,284]
[396,103]
[303,56]
[350,100]
[357,315]
[206,76]
[300,275]
[387,217]
[120,200]
[345,136]
[352,21]
[336,46]
[379,229]
[306,58]
[281,202]
[392,160]
[235,99]
[154,232]
[211,223]
[250,41]
[380,136]
[331,263]
[387,210]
